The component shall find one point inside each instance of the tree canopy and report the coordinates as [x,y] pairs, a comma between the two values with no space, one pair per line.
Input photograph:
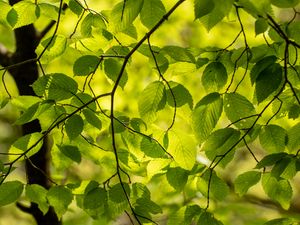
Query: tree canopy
[170,112]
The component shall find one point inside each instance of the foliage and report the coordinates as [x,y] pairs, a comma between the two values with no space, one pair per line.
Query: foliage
[178,132]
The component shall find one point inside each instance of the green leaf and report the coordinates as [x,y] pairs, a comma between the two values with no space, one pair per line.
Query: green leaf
[246,180]
[113,68]
[74,126]
[203,7]
[124,14]
[5,8]
[55,49]
[214,76]
[293,30]
[81,99]
[285,3]
[150,100]
[218,188]
[152,12]
[183,149]
[28,114]
[23,13]
[75,7]
[91,118]
[71,152]
[268,81]
[179,54]
[116,193]
[294,138]
[177,178]
[207,218]
[219,143]
[95,198]
[260,66]
[261,26]
[206,115]
[285,168]
[151,148]
[37,194]
[270,160]
[10,192]
[281,221]
[56,86]
[60,198]
[181,94]
[85,65]
[273,138]
[92,23]
[184,215]
[32,141]
[145,206]
[238,107]
[49,10]
[278,190]
[215,15]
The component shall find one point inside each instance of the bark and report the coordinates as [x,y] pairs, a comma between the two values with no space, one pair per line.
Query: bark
[24,75]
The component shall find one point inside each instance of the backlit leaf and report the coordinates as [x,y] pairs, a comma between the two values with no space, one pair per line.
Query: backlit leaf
[10,192]
[71,152]
[203,7]
[152,12]
[273,138]
[74,126]
[177,177]
[245,181]
[206,115]
[181,94]
[112,70]
[85,65]
[214,76]
[294,138]
[37,194]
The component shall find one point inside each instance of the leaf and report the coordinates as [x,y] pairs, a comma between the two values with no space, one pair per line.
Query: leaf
[184,215]
[55,49]
[152,12]
[37,194]
[60,198]
[216,15]
[151,148]
[56,86]
[261,26]
[260,66]
[206,115]
[238,107]
[281,221]
[112,70]
[285,168]
[5,8]
[218,188]
[124,14]
[181,94]
[221,142]
[23,13]
[28,114]
[203,7]
[245,181]
[85,65]
[177,178]
[92,23]
[214,76]
[270,160]
[74,126]
[285,3]
[293,30]
[150,100]
[81,99]
[294,138]
[33,141]
[95,198]
[183,150]
[71,152]
[278,190]
[116,193]
[76,7]
[49,10]
[10,192]
[144,206]
[91,118]
[206,218]
[268,81]
[273,138]
[179,54]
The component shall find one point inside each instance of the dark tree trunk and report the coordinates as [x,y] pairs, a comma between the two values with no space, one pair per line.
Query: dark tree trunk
[24,76]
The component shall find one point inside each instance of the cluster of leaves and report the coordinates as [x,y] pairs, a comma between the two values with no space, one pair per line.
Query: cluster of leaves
[148,142]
